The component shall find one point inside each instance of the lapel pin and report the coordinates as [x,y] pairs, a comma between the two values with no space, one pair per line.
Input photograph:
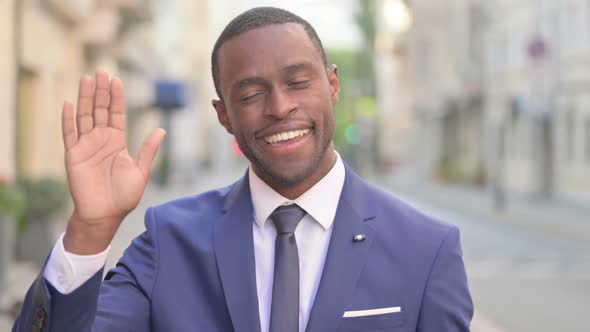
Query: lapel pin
[359,238]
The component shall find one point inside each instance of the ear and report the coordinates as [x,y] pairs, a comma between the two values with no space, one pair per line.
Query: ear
[334,83]
[222,115]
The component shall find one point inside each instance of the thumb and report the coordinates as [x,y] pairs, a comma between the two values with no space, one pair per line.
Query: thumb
[148,150]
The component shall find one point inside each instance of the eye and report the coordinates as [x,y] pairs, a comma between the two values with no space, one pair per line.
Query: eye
[251,96]
[299,84]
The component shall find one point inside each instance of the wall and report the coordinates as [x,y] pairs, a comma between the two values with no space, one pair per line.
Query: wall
[7,92]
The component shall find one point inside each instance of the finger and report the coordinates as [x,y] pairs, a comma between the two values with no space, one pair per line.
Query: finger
[117,108]
[102,96]
[85,105]
[68,126]
[148,150]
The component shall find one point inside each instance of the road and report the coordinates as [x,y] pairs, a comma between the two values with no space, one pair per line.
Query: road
[521,281]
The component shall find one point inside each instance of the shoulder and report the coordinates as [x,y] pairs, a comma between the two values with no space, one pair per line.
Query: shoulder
[398,218]
[411,238]
[197,210]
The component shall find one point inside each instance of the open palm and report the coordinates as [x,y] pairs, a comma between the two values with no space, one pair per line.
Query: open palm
[105,182]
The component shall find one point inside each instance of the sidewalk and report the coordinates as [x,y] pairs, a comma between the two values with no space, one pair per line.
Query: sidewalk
[552,218]
[20,278]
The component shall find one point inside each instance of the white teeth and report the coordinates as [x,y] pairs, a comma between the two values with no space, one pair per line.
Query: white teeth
[286,136]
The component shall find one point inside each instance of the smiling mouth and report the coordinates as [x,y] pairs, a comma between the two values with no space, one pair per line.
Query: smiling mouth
[285,136]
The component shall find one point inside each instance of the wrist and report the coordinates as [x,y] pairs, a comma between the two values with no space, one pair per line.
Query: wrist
[89,238]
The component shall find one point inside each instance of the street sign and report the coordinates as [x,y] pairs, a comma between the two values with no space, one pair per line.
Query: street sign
[170,95]
[537,48]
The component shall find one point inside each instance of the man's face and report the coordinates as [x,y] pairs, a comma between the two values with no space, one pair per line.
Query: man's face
[278,101]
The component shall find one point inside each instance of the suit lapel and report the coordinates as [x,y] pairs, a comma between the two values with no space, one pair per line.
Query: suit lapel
[345,258]
[234,251]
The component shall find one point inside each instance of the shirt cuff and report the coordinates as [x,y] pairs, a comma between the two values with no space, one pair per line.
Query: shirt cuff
[66,271]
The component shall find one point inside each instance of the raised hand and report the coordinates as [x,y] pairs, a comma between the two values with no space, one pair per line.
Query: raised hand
[105,182]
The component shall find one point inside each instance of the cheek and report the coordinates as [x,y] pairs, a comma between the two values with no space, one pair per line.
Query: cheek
[243,127]
[330,123]
[328,116]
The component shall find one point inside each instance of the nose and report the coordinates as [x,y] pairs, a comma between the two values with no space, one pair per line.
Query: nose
[280,104]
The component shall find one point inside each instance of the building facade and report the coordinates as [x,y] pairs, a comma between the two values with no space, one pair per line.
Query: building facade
[445,75]
[538,57]
[49,46]
[8,91]
[394,94]
[499,94]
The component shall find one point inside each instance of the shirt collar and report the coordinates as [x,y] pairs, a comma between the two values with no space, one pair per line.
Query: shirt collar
[320,201]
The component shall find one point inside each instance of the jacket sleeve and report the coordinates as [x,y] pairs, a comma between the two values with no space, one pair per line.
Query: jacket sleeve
[447,304]
[119,303]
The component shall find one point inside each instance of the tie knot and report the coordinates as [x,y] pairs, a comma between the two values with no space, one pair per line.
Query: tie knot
[287,217]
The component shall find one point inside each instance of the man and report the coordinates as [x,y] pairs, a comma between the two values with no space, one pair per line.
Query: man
[300,243]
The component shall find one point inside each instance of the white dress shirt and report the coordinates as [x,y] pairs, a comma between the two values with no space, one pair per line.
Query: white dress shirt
[67,271]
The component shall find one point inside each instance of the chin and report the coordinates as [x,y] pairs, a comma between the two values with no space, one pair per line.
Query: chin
[289,176]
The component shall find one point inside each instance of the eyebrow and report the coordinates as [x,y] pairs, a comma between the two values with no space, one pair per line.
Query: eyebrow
[296,67]
[254,80]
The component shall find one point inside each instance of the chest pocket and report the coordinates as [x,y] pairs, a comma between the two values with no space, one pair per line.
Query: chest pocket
[385,322]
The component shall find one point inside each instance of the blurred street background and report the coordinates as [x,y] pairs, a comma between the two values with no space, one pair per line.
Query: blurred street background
[476,111]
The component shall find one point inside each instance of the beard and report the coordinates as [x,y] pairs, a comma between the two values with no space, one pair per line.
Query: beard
[286,177]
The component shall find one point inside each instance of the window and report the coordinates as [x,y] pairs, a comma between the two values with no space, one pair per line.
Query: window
[500,53]
[476,21]
[424,57]
[551,31]
[572,25]
[570,132]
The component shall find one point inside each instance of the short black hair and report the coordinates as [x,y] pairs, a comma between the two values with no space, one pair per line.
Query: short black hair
[257,18]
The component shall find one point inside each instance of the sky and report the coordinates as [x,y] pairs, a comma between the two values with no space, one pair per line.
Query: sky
[332,19]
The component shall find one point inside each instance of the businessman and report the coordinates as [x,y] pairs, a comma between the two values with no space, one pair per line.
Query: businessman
[299,243]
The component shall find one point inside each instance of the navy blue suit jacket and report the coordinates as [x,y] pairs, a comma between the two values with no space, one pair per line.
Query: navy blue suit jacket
[193,270]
